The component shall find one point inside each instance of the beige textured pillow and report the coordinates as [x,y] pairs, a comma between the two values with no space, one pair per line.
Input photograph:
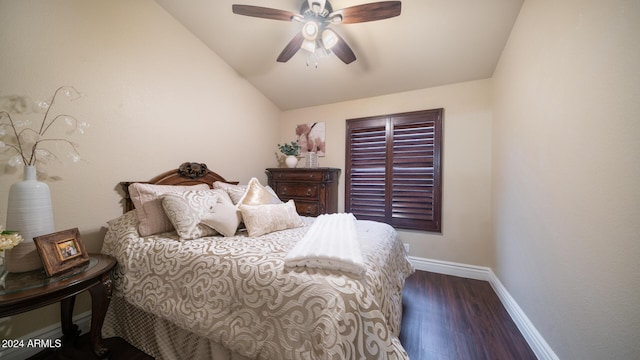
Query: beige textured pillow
[256,194]
[185,211]
[148,204]
[225,219]
[263,219]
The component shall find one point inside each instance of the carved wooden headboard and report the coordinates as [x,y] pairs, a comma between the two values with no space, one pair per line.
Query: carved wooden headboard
[189,173]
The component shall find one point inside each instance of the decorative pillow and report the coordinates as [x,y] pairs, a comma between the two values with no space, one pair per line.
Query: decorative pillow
[223,197]
[225,218]
[263,219]
[235,192]
[148,204]
[256,194]
[185,211]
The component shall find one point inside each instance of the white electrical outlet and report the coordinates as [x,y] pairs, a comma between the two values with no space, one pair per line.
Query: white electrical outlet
[406,247]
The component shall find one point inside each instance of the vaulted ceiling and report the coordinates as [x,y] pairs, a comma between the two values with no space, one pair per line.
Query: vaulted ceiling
[431,43]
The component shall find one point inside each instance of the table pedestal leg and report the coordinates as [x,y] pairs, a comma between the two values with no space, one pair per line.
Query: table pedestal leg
[70,331]
[100,299]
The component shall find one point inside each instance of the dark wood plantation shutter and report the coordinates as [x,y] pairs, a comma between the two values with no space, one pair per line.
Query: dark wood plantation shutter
[367,157]
[393,169]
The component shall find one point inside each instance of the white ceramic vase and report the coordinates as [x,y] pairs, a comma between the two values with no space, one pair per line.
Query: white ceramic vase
[291,161]
[29,212]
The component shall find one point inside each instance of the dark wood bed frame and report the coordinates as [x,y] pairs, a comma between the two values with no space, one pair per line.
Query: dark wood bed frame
[189,173]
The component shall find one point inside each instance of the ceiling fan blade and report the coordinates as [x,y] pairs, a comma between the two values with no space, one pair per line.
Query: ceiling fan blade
[291,49]
[263,12]
[343,51]
[369,12]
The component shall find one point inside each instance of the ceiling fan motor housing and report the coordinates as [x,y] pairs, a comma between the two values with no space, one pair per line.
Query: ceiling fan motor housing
[314,30]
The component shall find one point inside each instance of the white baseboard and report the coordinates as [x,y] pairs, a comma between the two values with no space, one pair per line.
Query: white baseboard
[535,340]
[50,332]
[451,268]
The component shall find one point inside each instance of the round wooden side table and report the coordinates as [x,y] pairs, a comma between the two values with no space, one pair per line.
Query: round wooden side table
[23,292]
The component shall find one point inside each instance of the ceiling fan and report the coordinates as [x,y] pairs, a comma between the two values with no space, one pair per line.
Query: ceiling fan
[316,17]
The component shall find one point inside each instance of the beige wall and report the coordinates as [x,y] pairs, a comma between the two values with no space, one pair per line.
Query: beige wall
[466,161]
[566,174]
[540,178]
[155,97]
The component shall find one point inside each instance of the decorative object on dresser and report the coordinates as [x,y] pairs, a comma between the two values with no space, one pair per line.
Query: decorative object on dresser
[315,191]
[29,203]
[291,152]
[312,160]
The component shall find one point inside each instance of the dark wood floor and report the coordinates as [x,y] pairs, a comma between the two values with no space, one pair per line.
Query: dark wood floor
[119,350]
[452,318]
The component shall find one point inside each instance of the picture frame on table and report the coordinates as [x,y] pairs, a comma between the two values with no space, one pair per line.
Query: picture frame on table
[61,251]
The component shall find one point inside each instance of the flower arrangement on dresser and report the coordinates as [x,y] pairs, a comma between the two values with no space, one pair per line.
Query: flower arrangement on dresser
[291,152]
[29,210]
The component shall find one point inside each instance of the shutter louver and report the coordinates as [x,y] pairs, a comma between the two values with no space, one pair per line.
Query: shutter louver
[412,178]
[368,161]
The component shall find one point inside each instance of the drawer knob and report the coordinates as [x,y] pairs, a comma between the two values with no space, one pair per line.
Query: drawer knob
[308,209]
[309,192]
[284,190]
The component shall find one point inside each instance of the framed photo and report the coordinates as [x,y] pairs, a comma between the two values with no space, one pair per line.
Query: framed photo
[61,251]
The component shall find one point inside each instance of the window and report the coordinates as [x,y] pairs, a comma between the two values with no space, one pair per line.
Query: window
[393,169]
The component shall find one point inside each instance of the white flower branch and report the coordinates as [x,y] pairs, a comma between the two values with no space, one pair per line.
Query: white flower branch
[22,140]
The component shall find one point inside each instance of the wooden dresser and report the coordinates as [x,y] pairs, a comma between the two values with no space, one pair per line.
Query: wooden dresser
[315,191]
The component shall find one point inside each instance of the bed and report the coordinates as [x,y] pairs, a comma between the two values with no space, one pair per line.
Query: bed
[234,296]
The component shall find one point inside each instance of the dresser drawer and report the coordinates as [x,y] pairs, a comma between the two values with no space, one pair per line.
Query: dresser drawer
[306,208]
[297,190]
[301,176]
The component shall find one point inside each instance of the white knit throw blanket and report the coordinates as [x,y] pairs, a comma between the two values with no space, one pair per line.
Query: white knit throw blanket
[331,243]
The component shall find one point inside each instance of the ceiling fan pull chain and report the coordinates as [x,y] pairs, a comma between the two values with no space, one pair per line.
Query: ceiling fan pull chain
[315,63]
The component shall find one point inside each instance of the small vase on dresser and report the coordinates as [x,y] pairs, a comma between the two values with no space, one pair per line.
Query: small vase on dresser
[29,212]
[291,161]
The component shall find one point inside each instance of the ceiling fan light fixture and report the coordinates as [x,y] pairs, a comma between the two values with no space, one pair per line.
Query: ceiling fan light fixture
[310,30]
[309,45]
[329,39]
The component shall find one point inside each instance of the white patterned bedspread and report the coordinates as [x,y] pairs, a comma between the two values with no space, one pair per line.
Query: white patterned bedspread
[236,291]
